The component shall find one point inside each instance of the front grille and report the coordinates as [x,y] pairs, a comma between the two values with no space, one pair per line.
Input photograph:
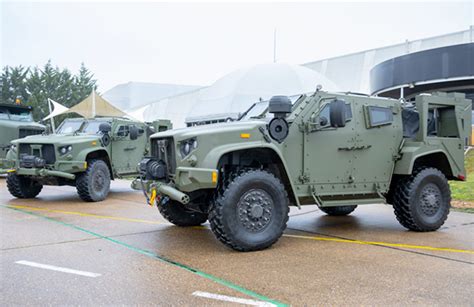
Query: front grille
[25,132]
[45,151]
[163,149]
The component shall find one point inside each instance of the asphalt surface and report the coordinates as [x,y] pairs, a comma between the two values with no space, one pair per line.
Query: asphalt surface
[136,257]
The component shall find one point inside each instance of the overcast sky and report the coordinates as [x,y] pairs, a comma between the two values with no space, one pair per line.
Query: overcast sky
[198,43]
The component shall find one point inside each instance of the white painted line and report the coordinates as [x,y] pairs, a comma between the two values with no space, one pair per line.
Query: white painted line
[232,299]
[57,268]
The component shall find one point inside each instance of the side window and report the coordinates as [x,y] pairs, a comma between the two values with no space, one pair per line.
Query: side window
[325,120]
[379,116]
[123,130]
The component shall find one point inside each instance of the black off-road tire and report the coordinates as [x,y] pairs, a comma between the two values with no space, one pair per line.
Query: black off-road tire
[251,211]
[22,187]
[422,201]
[94,184]
[339,210]
[176,213]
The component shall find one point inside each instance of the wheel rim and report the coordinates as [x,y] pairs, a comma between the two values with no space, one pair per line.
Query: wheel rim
[255,209]
[430,199]
[99,181]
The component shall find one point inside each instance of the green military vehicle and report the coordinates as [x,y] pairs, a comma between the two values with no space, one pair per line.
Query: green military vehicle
[85,153]
[331,149]
[16,121]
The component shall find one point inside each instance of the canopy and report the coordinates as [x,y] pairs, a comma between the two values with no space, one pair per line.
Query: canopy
[92,106]
[57,109]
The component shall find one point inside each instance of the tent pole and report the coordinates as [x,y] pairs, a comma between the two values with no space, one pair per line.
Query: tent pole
[52,118]
[93,103]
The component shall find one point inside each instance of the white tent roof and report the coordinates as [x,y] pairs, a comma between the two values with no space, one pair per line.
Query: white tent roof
[236,92]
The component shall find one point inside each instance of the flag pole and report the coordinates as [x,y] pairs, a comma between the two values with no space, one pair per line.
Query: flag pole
[52,118]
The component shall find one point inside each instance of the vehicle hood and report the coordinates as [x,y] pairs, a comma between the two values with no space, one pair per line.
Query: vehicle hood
[60,139]
[20,124]
[211,129]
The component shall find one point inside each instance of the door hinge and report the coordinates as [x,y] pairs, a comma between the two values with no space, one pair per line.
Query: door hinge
[304,178]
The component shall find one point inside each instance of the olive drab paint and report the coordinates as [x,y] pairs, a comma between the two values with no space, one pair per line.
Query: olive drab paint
[322,164]
[118,148]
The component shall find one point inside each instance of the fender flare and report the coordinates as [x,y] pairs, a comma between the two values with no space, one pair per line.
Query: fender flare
[213,157]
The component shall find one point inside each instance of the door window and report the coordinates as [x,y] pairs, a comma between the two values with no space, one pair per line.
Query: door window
[379,116]
[325,120]
[123,130]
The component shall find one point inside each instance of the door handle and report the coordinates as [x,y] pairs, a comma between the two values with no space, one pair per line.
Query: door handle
[130,148]
[355,147]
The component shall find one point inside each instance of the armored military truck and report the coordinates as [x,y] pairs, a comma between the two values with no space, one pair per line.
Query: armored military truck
[16,121]
[85,153]
[334,150]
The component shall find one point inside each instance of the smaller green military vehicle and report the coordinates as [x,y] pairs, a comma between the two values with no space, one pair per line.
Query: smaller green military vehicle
[85,153]
[334,150]
[16,121]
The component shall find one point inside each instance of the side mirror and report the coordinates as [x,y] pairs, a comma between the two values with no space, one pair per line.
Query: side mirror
[105,128]
[337,113]
[133,132]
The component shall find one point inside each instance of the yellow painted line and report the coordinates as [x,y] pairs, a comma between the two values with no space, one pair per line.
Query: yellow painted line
[117,218]
[410,246]
[316,238]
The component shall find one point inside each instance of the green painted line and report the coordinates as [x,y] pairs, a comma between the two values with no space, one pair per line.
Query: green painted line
[151,254]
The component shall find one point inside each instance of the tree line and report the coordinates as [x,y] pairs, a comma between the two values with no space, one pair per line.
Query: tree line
[34,85]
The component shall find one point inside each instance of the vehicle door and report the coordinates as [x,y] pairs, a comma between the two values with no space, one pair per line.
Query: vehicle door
[127,147]
[378,135]
[328,160]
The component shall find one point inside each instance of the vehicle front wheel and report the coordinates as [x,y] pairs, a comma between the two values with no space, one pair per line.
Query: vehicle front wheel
[338,210]
[251,212]
[176,213]
[94,184]
[422,201]
[23,187]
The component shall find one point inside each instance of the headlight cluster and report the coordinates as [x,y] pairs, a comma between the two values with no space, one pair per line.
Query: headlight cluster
[65,149]
[187,146]
[13,147]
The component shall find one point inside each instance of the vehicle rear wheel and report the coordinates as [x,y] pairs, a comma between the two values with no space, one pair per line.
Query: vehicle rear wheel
[338,211]
[422,201]
[94,184]
[22,187]
[251,212]
[176,213]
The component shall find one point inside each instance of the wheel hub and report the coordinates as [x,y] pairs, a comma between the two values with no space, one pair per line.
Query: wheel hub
[255,210]
[430,200]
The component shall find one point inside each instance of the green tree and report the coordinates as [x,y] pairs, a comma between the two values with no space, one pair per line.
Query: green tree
[35,85]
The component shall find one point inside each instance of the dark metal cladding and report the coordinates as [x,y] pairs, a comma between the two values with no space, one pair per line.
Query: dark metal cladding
[441,63]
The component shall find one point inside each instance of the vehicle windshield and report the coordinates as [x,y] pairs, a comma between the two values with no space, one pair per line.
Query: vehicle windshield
[256,110]
[92,127]
[69,126]
[259,109]
[23,115]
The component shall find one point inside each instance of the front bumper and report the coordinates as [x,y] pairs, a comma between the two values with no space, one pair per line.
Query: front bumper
[187,179]
[63,169]
[6,165]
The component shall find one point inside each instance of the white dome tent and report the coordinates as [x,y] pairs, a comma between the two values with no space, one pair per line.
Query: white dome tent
[236,92]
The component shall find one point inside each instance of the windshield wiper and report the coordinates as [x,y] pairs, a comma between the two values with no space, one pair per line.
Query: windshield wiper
[246,112]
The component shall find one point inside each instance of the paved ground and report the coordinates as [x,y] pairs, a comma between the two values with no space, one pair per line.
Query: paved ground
[363,259]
